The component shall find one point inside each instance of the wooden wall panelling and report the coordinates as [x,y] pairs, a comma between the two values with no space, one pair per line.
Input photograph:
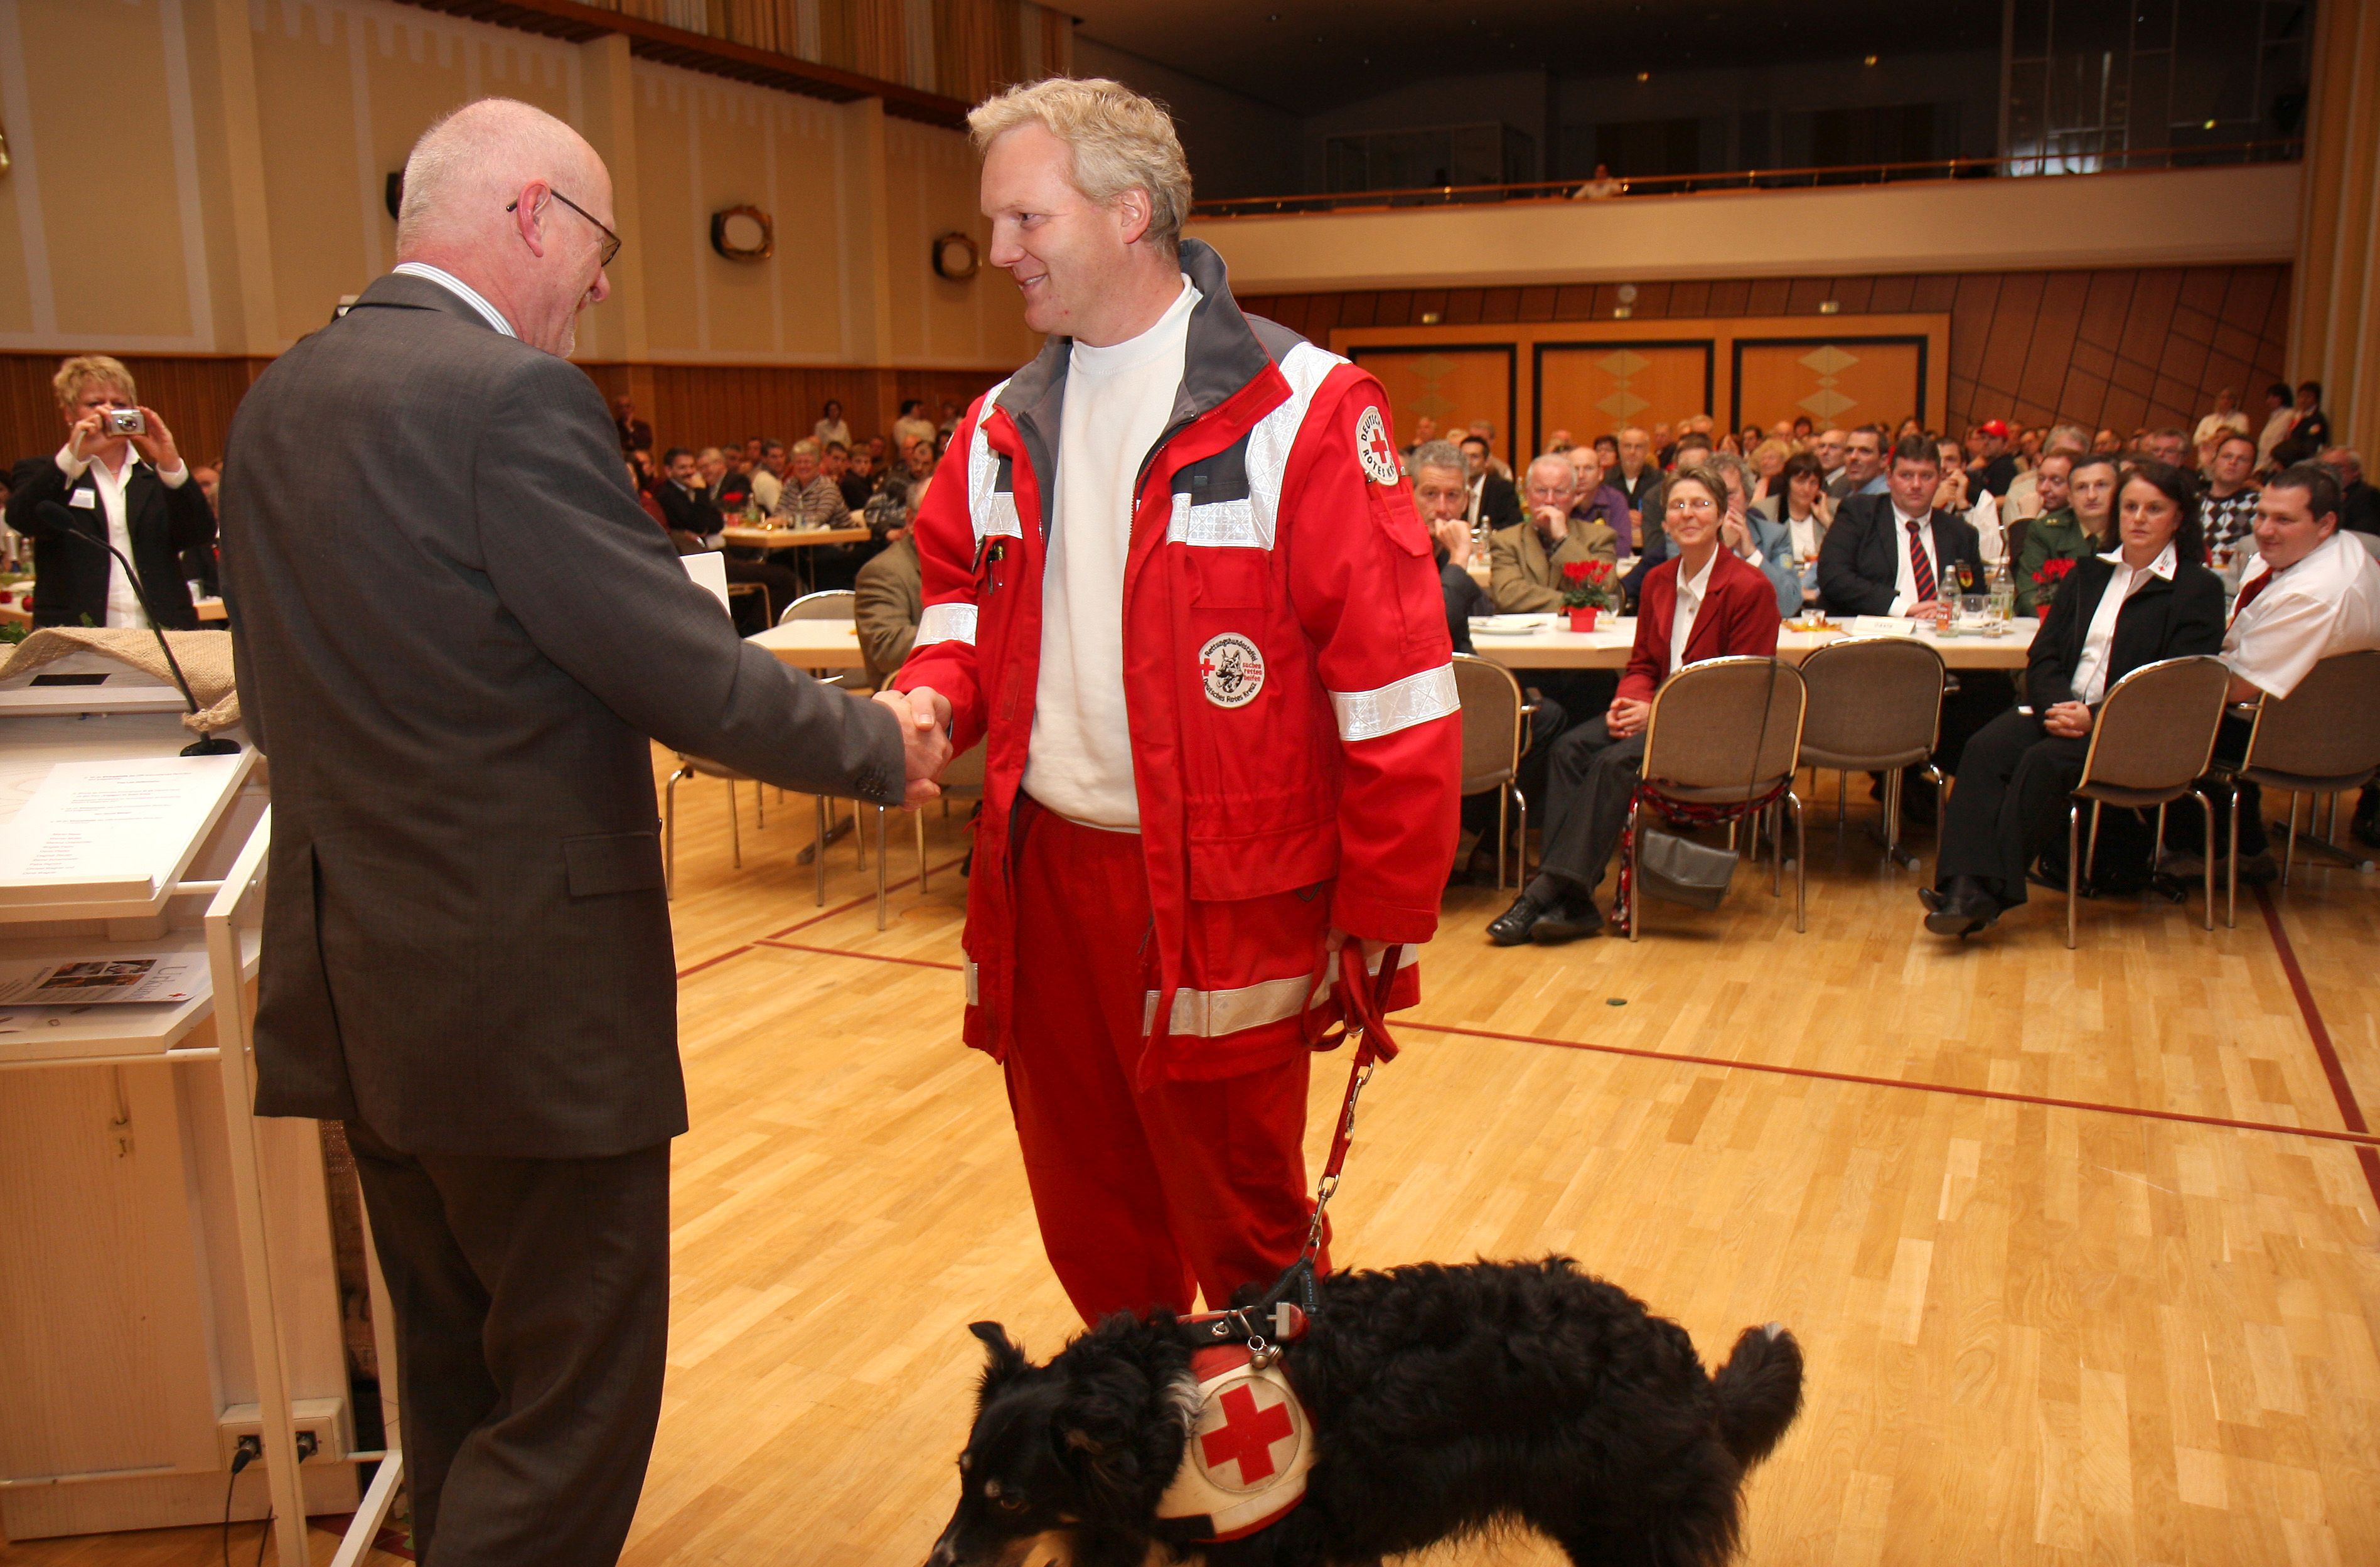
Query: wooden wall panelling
[1838,380]
[195,394]
[2112,348]
[1447,381]
[1590,385]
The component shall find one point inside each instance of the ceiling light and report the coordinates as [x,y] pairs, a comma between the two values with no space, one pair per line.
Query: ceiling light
[1429,317]
[1868,60]
[1830,307]
[2209,126]
[1644,76]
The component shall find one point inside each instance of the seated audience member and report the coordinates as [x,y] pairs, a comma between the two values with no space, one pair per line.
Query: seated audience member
[2080,495]
[2359,504]
[730,491]
[2311,593]
[1863,472]
[809,499]
[1704,604]
[1803,427]
[1827,448]
[1485,429]
[199,562]
[1758,541]
[1525,560]
[694,526]
[2281,412]
[1801,511]
[636,435]
[1768,461]
[2022,500]
[2028,449]
[889,507]
[1493,499]
[948,426]
[2309,428]
[131,490]
[1602,188]
[768,477]
[1633,475]
[2147,599]
[1441,497]
[686,497]
[913,425]
[1665,445]
[849,470]
[890,596]
[2106,443]
[2228,514]
[1425,430]
[652,506]
[1885,553]
[1653,544]
[1993,468]
[2170,445]
[1606,457]
[2227,419]
[830,429]
[1599,502]
[1950,491]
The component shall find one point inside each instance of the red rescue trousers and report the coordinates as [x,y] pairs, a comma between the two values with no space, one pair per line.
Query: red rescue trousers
[1145,1196]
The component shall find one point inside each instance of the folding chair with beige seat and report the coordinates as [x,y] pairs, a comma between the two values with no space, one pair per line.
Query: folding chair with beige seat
[1495,732]
[2150,745]
[2322,738]
[1875,706]
[1722,744]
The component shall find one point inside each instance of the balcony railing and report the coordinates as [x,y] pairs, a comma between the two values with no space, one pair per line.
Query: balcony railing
[2030,165]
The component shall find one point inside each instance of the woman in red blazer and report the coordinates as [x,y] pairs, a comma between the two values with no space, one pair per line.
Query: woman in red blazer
[1704,602]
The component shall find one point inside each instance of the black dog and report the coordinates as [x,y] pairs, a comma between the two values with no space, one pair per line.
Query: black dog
[1444,1401]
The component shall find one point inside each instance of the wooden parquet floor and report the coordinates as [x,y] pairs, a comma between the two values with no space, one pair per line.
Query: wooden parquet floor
[2140,1325]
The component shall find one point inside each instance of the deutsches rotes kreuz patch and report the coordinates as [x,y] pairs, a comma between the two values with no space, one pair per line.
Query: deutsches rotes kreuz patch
[1231,670]
[1374,448]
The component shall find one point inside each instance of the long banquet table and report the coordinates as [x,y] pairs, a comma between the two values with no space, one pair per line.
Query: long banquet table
[1606,647]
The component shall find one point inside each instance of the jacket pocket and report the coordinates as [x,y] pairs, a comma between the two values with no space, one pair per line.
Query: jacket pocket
[1229,860]
[604,863]
[1232,580]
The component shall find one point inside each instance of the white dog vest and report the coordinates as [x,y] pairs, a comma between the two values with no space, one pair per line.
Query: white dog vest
[1249,1450]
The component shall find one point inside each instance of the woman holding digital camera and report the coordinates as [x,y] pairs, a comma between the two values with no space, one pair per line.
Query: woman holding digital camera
[118,480]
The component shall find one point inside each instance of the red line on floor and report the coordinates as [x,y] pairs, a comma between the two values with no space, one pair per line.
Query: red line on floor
[2350,1112]
[859,902]
[2366,1143]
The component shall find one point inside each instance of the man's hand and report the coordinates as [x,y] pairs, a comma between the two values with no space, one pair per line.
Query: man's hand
[929,699]
[1338,939]
[925,746]
[1626,716]
[1551,521]
[1732,533]
[157,445]
[1936,609]
[1455,535]
[2068,721]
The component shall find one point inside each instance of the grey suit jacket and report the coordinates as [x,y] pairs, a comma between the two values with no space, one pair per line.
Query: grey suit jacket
[455,629]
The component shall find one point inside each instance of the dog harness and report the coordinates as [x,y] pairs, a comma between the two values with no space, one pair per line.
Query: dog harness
[1250,1445]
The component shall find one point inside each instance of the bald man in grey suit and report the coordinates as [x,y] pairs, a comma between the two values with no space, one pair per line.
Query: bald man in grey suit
[456,629]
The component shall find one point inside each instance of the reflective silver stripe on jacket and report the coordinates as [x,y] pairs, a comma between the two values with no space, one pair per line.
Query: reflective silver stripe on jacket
[988,511]
[1401,704]
[1210,1015]
[946,623]
[1254,522]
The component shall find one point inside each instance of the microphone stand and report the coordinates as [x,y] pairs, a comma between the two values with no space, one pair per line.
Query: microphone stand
[62,526]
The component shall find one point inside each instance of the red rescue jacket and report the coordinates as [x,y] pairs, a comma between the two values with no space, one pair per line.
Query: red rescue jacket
[1295,734]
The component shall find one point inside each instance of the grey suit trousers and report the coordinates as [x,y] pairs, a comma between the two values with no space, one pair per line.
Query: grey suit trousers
[533,1316]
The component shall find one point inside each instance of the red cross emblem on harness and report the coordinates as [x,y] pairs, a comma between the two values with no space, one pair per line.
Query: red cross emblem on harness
[1252,1429]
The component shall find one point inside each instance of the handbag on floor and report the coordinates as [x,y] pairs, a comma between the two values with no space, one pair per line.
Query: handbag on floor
[1676,869]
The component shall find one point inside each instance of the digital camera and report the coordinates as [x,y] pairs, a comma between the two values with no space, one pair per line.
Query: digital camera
[127,422]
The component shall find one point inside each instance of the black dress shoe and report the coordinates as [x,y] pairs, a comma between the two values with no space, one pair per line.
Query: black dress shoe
[1567,921]
[1511,928]
[1959,909]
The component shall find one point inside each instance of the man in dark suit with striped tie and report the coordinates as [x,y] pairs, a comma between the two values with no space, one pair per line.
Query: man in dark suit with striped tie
[1886,555]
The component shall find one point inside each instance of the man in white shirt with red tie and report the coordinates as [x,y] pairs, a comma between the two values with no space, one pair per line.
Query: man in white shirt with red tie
[2311,593]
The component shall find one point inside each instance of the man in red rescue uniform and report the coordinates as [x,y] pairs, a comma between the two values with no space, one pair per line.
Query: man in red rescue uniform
[1174,586]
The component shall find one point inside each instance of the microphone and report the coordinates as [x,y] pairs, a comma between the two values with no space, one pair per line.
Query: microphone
[62,526]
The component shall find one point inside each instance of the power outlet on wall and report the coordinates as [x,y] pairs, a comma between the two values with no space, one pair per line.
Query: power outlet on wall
[324,1436]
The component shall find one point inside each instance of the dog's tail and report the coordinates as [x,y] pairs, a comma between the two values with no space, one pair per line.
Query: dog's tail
[1759,1391]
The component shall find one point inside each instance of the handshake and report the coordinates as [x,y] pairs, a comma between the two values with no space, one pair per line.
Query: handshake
[925,715]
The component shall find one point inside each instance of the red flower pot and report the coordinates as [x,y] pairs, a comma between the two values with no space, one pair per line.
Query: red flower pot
[1583,619]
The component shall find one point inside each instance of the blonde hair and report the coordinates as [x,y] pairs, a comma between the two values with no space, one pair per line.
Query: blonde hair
[1121,141]
[1780,450]
[75,375]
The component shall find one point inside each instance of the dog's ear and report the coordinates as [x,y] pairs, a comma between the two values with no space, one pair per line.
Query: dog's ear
[1006,1361]
[1118,1437]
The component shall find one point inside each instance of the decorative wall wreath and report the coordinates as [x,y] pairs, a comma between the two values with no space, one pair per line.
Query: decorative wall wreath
[743,234]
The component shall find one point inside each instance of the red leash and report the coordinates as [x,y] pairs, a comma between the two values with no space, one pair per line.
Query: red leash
[1365,998]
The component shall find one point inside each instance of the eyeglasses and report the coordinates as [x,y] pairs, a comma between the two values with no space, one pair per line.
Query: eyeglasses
[612,242]
[1682,504]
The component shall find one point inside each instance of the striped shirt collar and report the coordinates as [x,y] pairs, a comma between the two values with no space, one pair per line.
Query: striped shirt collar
[461,290]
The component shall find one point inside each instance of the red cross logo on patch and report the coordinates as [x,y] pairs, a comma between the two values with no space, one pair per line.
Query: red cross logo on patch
[1256,1424]
[1373,447]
